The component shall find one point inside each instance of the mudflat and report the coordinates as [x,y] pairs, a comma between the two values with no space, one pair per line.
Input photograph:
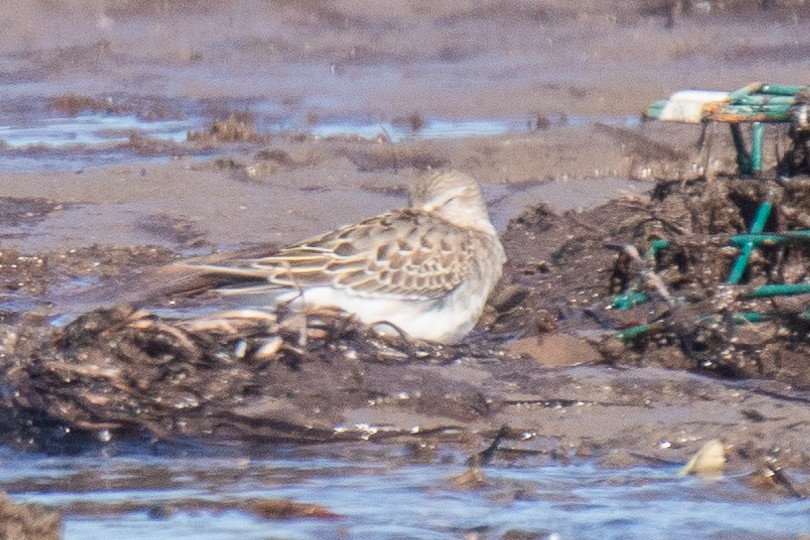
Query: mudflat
[582,177]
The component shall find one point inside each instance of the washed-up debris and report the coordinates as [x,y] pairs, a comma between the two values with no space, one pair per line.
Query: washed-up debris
[738,295]
[239,373]
[485,456]
[667,280]
[708,461]
[754,104]
[770,476]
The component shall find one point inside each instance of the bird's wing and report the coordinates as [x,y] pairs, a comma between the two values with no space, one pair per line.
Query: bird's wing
[406,254]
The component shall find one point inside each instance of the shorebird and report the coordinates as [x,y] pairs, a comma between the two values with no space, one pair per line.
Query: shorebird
[426,269]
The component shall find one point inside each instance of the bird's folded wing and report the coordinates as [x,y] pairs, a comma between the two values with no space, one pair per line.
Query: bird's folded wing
[404,254]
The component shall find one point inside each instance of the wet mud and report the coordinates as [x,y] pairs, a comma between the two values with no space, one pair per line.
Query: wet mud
[128,373]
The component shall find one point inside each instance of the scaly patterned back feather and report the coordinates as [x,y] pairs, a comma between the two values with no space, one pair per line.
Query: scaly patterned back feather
[405,254]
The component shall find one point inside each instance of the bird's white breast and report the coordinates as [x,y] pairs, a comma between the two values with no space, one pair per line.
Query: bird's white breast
[443,321]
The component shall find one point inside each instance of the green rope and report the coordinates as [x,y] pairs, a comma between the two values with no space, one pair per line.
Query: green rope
[761,217]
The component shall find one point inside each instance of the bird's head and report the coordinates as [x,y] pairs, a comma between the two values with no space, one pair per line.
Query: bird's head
[453,196]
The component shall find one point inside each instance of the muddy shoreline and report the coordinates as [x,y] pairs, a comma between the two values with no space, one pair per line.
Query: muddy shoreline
[97,358]
[545,364]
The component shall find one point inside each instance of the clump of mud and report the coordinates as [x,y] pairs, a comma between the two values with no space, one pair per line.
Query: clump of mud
[237,127]
[75,104]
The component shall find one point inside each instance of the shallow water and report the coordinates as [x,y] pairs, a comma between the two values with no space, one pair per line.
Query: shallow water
[378,495]
[35,138]
[442,128]
[91,130]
